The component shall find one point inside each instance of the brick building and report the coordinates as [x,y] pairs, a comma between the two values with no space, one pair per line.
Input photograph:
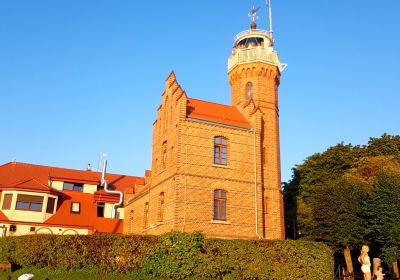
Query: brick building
[216,168]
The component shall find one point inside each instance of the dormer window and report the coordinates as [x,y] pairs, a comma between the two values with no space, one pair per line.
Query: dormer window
[73,186]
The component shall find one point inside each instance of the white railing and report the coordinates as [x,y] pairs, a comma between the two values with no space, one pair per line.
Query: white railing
[253,54]
[259,31]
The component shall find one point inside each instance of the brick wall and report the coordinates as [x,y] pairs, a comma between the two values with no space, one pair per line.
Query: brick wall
[183,166]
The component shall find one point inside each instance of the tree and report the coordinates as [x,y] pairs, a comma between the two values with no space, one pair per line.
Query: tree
[339,214]
[384,214]
[349,194]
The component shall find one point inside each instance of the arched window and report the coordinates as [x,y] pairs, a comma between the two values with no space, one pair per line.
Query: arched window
[145,215]
[130,230]
[220,150]
[249,91]
[164,156]
[220,205]
[161,207]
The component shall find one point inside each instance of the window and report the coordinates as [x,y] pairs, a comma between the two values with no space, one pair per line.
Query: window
[7,201]
[100,209]
[249,91]
[220,148]
[220,205]
[130,229]
[145,215]
[164,157]
[75,207]
[161,208]
[29,202]
[50,205]
[73,187]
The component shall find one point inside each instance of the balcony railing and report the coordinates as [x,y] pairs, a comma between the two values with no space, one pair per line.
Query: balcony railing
[255,31]
[241,56]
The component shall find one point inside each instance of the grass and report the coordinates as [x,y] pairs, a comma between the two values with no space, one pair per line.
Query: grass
[50,274]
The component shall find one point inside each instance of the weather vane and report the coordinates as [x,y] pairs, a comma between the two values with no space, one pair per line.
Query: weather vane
[253,14]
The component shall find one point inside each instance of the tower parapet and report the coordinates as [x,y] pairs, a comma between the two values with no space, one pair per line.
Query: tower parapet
[253,45]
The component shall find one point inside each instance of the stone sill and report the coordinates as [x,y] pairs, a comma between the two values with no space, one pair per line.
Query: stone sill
[220,222]
[221,166]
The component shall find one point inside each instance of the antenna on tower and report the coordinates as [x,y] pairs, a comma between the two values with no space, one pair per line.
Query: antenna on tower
[268,3]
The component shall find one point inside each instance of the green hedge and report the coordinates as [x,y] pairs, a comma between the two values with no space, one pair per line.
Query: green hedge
[173,256]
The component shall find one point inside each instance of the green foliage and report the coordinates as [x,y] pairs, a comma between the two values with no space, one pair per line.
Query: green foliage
[170,256]
[182,256]
[102,251]
[349,195]
[339,209]
[384,214]
[176,256]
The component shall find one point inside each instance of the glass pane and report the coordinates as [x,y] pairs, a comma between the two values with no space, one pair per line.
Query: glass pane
[223,210]
[100,209]
[216,151]
[216,140]
[22,205]
[215,210]
[68,186]
[223,141]
[223,161]
[216,194]
[50,205]
[223,194]
[78,188]
[36,206]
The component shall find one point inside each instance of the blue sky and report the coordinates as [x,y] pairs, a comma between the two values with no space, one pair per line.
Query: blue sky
[80,77]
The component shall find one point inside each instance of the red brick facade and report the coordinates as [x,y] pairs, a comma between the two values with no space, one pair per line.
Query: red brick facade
[180,192]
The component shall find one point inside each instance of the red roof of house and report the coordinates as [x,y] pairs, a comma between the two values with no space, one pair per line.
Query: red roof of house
[14,172]
[29,186]
[35,178]
[86,218]
[214,112]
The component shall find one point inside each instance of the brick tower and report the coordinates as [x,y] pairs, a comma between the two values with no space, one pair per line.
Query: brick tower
[254,73]
[215,167]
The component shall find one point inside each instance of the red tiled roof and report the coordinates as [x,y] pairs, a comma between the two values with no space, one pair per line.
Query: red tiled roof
[103,196]
[86,218]
[63,215]
[29,185]
[108,225]
[35,178]
[14,172]
[214,112]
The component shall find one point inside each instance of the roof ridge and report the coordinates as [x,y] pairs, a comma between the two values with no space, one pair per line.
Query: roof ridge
[189,98]
[63,168]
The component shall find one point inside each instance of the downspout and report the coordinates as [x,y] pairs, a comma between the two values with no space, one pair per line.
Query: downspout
[184,209]
[104,184]
[255,180]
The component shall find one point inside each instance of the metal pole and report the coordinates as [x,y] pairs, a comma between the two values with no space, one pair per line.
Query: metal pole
[255,180]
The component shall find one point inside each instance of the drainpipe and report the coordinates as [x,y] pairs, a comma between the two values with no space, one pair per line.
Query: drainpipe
[255,180]
[104,184]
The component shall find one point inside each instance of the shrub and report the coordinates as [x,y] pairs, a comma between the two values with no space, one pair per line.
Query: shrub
[173,256]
